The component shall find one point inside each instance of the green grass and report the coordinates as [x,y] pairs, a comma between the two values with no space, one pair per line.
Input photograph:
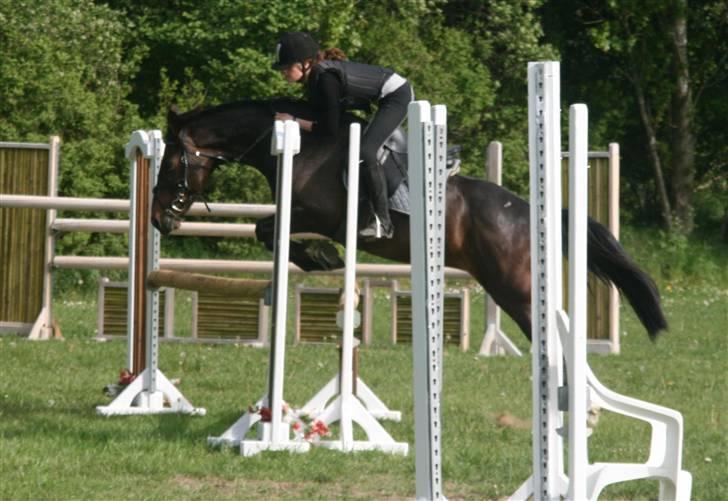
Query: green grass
[54,446]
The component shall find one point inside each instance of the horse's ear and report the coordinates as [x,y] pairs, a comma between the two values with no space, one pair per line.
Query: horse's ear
[173,120]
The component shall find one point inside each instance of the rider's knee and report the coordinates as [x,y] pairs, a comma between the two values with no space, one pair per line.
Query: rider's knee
[369,157]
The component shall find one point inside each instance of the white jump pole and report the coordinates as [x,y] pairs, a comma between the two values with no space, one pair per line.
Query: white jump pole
[427,139]
[575,349]
[150,392]
[362,408]
[274,435]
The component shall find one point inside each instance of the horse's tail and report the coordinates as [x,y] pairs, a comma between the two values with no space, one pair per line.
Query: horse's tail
[608,260]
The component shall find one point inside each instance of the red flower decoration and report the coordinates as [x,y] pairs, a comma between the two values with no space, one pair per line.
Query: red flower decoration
[265,414]
[317,428]
[126,377]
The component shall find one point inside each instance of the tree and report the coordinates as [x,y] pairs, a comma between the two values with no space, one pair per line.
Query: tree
[64,71]
[659,52]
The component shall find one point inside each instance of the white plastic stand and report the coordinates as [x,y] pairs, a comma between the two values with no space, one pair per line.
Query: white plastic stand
[138,398]
[496,342]
[347,408]
[554,329]
[374,406]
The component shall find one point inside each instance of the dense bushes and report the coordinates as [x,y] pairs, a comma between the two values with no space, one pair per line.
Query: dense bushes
[93,71]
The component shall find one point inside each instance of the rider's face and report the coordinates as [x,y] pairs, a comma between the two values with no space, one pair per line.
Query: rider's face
[293,73]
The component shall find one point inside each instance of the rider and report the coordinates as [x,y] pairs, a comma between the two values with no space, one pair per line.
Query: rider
[335,85]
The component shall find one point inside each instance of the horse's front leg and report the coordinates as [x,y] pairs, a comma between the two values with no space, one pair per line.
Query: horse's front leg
[309,255]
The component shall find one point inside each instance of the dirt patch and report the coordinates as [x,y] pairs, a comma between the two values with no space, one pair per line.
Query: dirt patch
[507,420]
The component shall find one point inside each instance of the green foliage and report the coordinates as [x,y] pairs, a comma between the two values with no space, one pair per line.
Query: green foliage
[93,71]
[64,70]
[608,50]
[672,258]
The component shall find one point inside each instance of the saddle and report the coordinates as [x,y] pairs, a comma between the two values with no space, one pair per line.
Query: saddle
[392,156]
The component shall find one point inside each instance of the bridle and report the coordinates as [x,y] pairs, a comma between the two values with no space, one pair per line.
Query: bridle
[185,197]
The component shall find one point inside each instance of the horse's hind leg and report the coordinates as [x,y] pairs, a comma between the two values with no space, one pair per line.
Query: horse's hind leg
[520,312]
[512,301]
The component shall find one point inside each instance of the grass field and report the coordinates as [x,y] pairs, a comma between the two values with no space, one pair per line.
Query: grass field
[54,446]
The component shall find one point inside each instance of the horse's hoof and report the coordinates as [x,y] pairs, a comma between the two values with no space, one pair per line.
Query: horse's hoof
[325,255]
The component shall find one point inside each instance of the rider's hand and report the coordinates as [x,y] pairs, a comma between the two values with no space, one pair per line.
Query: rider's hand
[284,116]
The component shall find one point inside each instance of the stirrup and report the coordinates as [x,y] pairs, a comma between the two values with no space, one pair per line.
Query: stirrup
[376,230]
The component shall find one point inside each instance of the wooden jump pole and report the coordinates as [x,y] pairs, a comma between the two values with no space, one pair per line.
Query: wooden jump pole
[207,283]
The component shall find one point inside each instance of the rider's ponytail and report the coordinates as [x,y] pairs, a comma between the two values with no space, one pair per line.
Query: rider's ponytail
[332,54]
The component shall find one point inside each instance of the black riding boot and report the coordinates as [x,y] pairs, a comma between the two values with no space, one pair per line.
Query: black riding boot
[379,225]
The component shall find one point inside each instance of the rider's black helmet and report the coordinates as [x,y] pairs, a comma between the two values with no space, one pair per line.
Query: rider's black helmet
[294,47]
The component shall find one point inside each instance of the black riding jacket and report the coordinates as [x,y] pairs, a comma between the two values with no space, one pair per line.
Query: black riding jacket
[336,86]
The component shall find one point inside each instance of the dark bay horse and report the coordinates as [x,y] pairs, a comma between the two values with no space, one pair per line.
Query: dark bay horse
[487,226]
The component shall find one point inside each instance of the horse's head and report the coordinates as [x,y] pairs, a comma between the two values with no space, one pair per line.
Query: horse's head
[185,172]
[199,140]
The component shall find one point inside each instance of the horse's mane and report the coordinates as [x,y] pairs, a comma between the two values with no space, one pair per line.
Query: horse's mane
[296,107]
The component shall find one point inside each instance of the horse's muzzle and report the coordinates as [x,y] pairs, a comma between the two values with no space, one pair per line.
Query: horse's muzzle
[167,223]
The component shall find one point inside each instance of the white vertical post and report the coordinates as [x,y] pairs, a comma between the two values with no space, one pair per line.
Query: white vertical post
[150,392]
[347,338]
[576,352]
[275,435]
[156,153]
[427,370]
[436,240]
[364,407]
[495,341]
[546,287]
[614,228]
[491,346]
[286,143]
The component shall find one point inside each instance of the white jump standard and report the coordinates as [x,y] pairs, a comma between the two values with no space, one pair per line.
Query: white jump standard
[558,336]
[274,435]
[363,407]
[427,146]
[495,341]
[150,392]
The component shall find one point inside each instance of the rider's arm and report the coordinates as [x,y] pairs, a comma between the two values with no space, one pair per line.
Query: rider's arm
[326,101]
